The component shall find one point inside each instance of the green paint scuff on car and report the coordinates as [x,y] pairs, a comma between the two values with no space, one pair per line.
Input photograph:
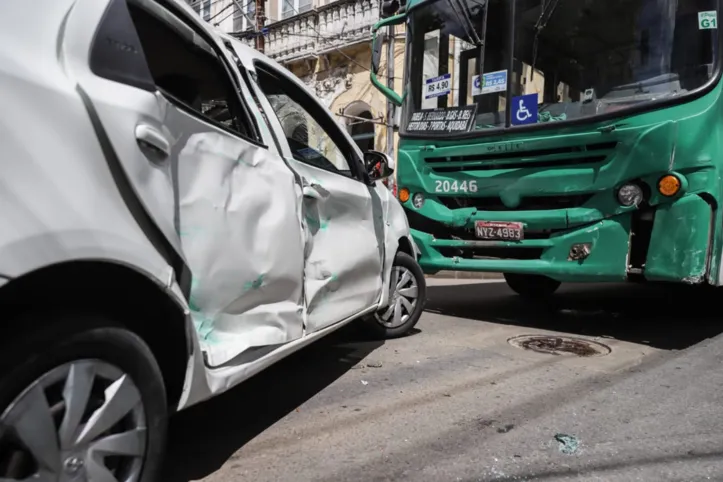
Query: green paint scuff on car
[255,284]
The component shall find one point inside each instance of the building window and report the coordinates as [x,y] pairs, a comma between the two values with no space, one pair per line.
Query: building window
[244,17]
[303,123]
[360,129]
[363,132]
[289,8]
[173,57]
[203,8]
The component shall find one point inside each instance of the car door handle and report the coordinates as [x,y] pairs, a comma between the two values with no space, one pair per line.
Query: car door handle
[315,191]
[149,137]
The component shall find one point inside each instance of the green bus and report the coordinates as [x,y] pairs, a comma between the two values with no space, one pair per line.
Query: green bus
[561,140]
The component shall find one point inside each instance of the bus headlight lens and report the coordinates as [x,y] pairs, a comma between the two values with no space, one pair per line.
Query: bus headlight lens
[630,195]
[418,200]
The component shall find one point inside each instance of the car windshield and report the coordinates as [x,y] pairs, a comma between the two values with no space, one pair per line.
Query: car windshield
[572,59]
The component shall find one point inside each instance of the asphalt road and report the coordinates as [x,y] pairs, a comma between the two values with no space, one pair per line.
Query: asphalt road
[457,402]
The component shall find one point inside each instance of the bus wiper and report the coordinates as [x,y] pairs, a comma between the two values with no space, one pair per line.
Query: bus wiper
[481,57]
[464,16]
[539,26]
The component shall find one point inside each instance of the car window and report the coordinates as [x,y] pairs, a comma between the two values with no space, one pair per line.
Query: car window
[245,77]
[189,72]
[310,143]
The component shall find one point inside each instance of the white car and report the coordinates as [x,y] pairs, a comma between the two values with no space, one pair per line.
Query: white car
[178,213]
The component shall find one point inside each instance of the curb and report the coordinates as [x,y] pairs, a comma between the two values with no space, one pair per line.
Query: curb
[465,275]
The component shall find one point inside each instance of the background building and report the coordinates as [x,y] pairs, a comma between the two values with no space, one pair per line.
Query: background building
[327,44]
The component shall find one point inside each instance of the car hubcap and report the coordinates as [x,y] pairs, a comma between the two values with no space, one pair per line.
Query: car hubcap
[82,421]
[403,298]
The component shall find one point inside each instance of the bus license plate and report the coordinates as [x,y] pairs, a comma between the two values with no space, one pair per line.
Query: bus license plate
[498,230]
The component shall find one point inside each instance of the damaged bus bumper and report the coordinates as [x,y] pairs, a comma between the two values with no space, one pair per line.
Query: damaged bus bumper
[668,242]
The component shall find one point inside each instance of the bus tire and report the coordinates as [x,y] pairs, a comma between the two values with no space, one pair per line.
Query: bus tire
[531,286]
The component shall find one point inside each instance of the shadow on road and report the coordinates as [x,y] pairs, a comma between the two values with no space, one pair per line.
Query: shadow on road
[203,437]
[670,317]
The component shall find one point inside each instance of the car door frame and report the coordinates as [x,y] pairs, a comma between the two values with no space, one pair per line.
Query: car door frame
[175,15]
[341,138]
[266,136]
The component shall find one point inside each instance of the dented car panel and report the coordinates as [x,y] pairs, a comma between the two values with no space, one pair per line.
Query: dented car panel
[390,221]
[241,235]
[680,242]
[341,278]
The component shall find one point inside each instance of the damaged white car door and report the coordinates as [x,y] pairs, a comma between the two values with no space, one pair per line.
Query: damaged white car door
[192,148]
[343,214]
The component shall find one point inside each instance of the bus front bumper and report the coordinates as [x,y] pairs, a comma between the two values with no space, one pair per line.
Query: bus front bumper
[675,244]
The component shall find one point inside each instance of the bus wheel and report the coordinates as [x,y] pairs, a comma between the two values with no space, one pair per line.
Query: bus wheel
[531,285]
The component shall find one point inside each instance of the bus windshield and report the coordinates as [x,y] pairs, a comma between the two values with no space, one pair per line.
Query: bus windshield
[572,59]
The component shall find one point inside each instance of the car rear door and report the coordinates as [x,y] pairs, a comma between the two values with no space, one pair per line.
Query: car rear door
[200,163]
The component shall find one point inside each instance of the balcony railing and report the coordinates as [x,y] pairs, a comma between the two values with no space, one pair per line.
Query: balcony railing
[346,22]
[336,25]
[293,38]
[248,40]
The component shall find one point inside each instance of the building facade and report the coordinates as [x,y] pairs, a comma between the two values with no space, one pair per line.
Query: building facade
[326,44]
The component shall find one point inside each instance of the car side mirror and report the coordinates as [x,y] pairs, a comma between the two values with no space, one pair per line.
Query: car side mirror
[378,165]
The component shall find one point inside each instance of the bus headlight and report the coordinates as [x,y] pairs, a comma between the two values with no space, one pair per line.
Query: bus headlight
[418,200]
[630,194]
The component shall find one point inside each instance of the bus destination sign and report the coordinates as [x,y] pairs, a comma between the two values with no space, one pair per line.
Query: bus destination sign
[450,119]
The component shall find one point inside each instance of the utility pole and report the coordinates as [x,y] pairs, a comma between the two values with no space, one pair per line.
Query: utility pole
[390,84]
[260,19]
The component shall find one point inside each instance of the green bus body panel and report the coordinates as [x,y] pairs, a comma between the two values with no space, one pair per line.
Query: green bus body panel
[589,163]
[680,240]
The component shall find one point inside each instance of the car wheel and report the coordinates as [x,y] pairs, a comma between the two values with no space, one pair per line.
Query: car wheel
[80,400]
[406,303]
[531,285]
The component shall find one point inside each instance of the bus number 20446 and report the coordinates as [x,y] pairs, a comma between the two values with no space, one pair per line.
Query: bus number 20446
[455,186]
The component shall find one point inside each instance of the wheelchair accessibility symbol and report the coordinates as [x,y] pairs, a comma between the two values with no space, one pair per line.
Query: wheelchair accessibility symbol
[524,109]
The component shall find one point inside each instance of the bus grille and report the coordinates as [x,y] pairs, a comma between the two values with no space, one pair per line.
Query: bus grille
[554,157]
[531,203]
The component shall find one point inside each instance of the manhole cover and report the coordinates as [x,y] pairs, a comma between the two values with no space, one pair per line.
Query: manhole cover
[560,345]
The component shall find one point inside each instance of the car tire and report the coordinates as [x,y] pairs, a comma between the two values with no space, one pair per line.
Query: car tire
[531,286]
[406,301]
[80,393]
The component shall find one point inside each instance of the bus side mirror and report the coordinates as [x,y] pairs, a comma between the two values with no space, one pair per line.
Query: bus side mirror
[377,52]
[389,8]
[377,42]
